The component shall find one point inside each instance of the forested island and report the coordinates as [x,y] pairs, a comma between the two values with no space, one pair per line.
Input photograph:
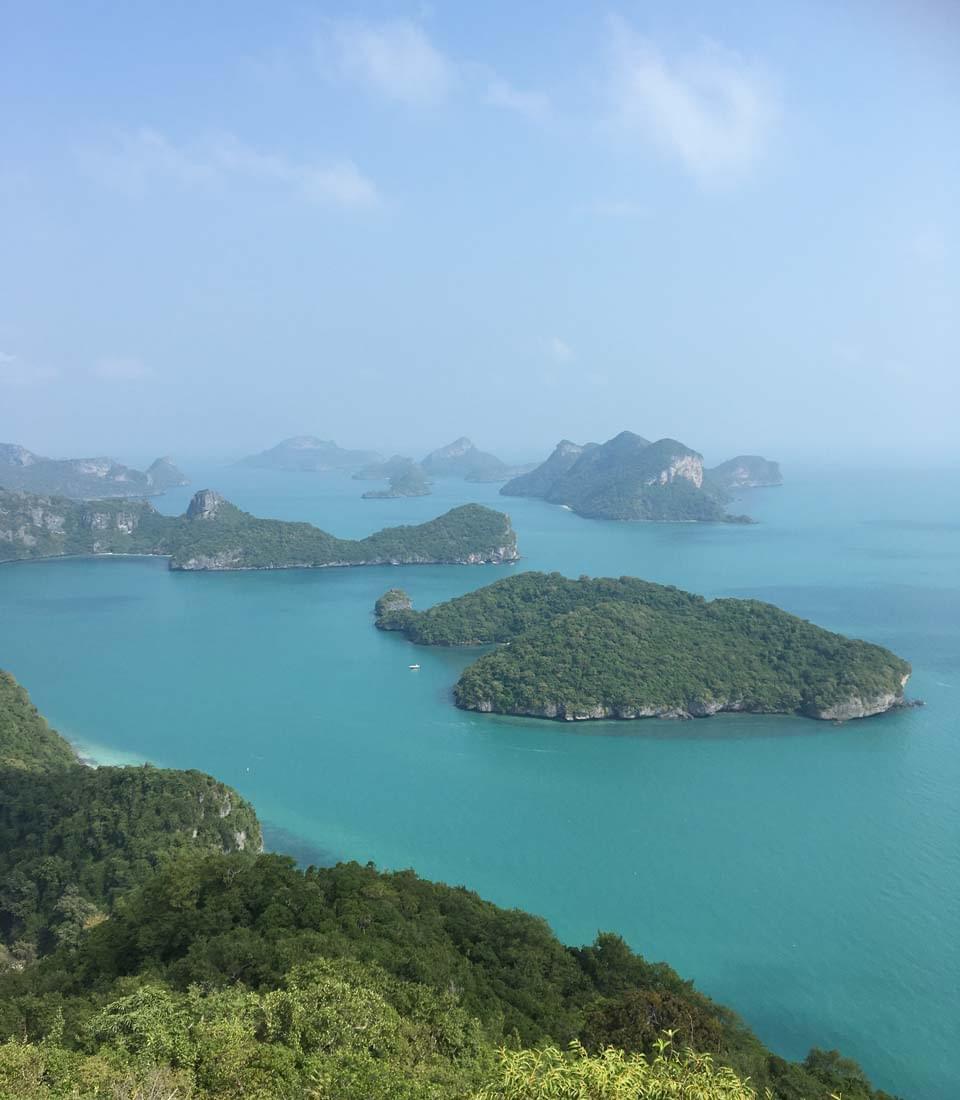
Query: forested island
[214,534]
[148,953]
[632,478]
[745,472]
[83,478]
[462,458]
[626,648]
[406,479]
[309,454]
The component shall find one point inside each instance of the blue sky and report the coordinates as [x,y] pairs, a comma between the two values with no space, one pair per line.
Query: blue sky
[392,224]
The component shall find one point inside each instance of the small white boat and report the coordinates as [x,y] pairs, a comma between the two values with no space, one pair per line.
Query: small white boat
[414,668]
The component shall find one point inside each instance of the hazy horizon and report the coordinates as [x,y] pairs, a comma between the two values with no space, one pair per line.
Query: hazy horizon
[391,225]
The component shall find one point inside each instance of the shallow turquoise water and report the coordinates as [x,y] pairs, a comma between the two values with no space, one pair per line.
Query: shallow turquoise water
[806,874]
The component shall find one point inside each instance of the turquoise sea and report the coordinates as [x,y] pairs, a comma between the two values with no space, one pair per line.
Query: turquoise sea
[806,874]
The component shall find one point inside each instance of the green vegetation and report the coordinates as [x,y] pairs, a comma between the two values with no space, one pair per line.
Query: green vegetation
[220,975]
[82,478]
[627,478]
[308,454]
[627,648]
[73,839]
[462,459]
[26,741]
[406,480]
[744,472]
[214,534]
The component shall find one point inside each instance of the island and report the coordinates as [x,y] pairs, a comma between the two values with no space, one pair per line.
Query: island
[388,468]
[150,948]
[214,534]
[406,480]
[627,648]
[83,478]
[309,454]
[628,478]
[462,459]
[745,472]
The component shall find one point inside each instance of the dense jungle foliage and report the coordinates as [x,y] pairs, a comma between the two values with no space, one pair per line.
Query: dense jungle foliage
[624,647]
[207,975]
[34,527]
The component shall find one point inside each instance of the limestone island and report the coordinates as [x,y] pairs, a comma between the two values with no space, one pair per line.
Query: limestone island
[632,478]
[626,648]
[406,479]
[214,534]
[745,472]
[308,454]
[462,458]
[83,478]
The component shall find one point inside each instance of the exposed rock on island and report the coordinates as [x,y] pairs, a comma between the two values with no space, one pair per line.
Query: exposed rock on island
[83,478]
[630,478]
[625,648]
[214,534]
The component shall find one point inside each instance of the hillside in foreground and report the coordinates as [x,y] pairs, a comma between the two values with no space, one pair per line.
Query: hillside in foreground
[150,960]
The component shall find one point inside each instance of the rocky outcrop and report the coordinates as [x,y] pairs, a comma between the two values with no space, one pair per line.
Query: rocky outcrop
[205,505]
[853,708]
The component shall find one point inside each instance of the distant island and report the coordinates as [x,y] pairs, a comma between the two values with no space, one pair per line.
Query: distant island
[83,478]
[630,478]
[407,480]
[745,472]
[626,648]
[462,459]
[213,534]
[308,454]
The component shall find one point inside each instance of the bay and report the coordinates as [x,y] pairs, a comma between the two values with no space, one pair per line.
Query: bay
[806,874]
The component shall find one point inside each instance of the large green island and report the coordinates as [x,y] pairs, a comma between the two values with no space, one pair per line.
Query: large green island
[214,534]
[625,648]
[150,951]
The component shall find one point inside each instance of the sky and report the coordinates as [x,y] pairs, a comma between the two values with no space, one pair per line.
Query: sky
[391,224]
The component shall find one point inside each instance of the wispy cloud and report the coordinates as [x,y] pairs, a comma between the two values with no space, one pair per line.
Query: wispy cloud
[560,351]
[121,370]
[15,372]
[710,109]
[146,156]
[397,59]
[394,58]
[534,106]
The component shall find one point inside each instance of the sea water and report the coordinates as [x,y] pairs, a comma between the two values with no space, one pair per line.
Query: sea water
[806,874]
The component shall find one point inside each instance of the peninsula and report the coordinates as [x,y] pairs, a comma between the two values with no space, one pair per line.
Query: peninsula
[83,478]
[626,648]
[631,478]
[214,534]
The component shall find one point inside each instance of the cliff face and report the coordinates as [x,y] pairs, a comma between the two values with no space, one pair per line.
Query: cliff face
[626,478]
[214,534]
[82,478]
